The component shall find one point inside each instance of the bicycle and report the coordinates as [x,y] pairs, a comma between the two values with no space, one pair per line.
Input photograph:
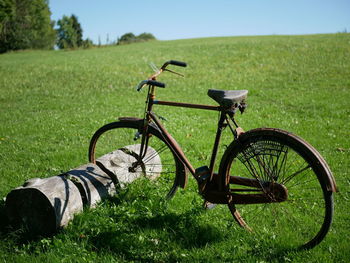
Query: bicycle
[269,178]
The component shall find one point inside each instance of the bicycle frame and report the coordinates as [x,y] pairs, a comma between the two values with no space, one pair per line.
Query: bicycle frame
[151,117]
[216,192]
[211,187]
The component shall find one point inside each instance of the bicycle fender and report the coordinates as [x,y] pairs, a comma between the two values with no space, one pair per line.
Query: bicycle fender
[182,175]
[325,174]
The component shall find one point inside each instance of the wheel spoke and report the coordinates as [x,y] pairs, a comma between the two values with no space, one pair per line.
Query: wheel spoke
[274,156]
[158,162]
[290,177]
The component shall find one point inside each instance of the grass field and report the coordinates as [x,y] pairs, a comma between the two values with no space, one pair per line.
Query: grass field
[51,102]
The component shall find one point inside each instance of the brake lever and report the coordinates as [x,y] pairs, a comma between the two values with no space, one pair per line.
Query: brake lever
[176,73]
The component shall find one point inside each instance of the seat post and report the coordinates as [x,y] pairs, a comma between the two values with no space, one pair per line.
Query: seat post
[221,126]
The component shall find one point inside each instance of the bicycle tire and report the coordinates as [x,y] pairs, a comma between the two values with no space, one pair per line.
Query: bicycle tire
[120,135]
[273,155]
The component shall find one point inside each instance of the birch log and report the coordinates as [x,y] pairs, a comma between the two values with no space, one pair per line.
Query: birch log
[45,205]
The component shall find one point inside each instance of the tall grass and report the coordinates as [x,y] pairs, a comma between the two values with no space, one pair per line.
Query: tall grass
[51,102]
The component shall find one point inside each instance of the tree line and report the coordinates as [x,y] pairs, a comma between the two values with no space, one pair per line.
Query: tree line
[26,24]
[129,38]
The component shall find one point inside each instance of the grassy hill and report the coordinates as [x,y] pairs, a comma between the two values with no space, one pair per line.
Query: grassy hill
[51,102]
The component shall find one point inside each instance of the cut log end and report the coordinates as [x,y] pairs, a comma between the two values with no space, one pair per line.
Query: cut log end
[45,206]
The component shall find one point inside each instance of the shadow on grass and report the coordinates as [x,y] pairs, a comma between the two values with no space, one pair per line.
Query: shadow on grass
[159,231]
[168,235]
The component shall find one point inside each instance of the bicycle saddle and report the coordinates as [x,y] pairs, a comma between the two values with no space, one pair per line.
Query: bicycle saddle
[227,98]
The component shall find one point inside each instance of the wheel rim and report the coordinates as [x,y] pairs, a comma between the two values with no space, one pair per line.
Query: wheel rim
[302,220]
[123,143]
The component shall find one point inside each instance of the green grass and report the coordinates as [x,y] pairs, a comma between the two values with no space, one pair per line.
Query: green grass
[51,102]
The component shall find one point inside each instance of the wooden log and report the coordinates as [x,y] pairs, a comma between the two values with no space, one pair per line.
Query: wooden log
[43,206]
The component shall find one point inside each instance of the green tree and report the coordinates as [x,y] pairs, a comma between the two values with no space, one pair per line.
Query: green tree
[25,24]
[79,31]
[87,43]
[6,17]
[127,38]
[131,38]
[66,34]
[70,33]
[146,37]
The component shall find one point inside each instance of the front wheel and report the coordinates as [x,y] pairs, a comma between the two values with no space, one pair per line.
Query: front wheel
[115,147]
[264,158]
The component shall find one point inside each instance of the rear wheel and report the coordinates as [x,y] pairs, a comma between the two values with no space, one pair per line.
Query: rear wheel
[275,157]
[116,147]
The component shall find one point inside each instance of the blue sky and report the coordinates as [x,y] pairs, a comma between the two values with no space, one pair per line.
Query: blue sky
[180,19]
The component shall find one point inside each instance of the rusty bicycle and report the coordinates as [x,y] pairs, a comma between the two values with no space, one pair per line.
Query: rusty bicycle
[270,179]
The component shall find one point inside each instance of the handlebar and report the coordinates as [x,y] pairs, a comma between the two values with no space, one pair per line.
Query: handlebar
[151,81]
[175,63]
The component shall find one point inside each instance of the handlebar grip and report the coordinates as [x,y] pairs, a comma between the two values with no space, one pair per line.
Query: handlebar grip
[150,82]
[178,63]
[156,83]
[174,62]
